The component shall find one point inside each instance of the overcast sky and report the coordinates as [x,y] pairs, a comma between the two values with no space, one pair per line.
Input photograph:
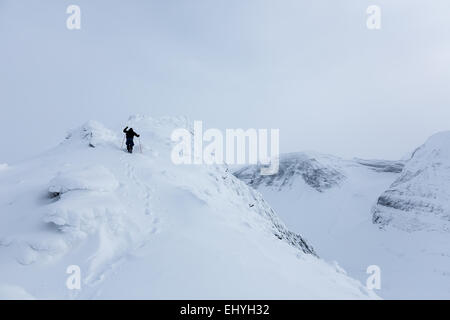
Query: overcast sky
[310,68]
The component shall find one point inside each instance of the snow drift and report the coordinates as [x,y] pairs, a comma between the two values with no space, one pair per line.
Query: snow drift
[141,227]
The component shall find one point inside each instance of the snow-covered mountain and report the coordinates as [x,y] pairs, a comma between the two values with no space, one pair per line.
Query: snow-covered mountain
[139,226]
[316,174]
[419,199]
[331,202]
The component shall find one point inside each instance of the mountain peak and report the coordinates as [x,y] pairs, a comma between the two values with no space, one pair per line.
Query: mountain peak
[419,199]
[140,221]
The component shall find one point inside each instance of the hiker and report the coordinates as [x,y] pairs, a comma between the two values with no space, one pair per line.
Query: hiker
[130,136]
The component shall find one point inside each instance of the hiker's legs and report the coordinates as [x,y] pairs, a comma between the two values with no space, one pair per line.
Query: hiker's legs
[130,145]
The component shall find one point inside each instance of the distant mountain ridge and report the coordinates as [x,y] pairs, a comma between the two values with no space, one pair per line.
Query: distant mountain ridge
[293,165]
[359,212]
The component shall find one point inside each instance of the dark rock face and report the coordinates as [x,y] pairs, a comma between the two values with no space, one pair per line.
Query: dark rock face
[295,240]
[292,166]
[258,204]
[382,165]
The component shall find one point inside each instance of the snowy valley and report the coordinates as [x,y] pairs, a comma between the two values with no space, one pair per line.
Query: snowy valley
[393,214]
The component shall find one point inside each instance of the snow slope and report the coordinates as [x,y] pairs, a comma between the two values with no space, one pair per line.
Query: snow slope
[140,227]
[419,199]
[338,219]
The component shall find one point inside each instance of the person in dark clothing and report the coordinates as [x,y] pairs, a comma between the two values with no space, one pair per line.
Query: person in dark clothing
[130,134]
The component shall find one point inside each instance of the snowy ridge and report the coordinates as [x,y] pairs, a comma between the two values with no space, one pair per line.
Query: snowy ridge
[142,223]
[419,198]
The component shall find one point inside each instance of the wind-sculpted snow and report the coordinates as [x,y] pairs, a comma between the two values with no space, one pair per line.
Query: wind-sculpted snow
[139,226]
[293,166]
[95,178]
[93,134]
[419,199]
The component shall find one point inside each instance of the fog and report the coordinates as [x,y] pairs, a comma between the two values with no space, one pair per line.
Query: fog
[309,68]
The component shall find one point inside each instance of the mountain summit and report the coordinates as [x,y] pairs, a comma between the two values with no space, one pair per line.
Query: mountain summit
[142,223]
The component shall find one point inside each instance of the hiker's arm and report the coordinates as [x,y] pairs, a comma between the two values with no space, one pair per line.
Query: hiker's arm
[136,135]
[125,130]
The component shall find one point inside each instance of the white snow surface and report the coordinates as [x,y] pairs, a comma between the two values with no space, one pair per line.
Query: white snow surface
[414,262]
[95,178]
[140,227]
[419,199]
[9,292]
